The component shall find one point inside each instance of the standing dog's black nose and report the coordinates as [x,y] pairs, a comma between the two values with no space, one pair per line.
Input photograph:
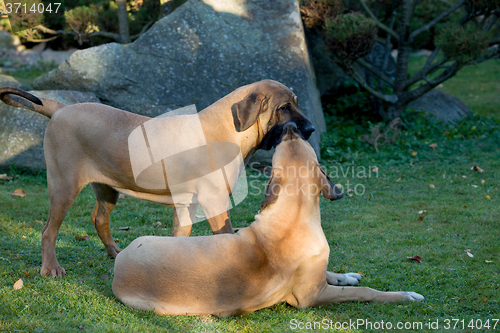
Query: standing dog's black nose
[307,130]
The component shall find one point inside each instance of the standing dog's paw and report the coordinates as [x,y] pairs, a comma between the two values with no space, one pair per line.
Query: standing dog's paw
[348,279]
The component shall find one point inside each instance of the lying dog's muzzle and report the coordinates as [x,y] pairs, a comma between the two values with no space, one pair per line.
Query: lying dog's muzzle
[290,131]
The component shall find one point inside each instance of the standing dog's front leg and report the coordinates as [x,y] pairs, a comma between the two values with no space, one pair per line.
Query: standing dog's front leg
[221,224]
[184,229]
[334,294]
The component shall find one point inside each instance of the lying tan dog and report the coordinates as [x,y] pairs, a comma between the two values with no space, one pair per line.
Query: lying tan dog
[88,143]
[281,257]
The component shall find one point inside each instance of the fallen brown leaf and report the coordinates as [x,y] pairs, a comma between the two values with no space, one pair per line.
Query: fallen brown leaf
[432,186]
[25,273]
[158,223]
[19,284]
[82,238]
[19,193]
[121,196]
[483,181]
[476,168]
[484,299]
[414,153]
[420,218]
[433,146]
[375,169]
[416,258]
[5,177]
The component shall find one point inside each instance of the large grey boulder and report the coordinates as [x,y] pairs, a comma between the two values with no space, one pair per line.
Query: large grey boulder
[442,106]
[199,53]
[22,131]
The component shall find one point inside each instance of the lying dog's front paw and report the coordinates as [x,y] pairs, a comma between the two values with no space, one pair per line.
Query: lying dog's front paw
[414,297]
[348,279]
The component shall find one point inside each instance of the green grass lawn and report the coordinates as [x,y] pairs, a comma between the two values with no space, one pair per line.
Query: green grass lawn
[423,201]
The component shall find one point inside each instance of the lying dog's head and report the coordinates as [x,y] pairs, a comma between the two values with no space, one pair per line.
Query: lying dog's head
[296,168]
[272,105]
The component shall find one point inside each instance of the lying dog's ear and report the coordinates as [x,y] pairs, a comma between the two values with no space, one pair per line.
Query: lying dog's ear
[329,190]
[272,191]
[246,112]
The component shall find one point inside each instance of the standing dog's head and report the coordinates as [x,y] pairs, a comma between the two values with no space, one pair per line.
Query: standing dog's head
[272,105]
[296,168]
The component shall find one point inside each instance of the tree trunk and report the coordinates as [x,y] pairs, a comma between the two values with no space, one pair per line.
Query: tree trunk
[123,21]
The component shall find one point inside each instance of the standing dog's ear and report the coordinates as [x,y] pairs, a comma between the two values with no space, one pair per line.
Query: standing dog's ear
[272,191]
[329,190]
[246,111]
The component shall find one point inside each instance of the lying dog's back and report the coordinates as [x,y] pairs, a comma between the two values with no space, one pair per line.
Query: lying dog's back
[221,275]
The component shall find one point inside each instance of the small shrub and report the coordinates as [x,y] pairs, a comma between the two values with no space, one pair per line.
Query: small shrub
[315,12]
[464,44]
[350,36]
[82,20]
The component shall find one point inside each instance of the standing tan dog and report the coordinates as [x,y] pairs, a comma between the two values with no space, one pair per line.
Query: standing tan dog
[87,143]
[281,257]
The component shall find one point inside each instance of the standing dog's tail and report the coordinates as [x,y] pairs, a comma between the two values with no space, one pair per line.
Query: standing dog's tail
[44,106]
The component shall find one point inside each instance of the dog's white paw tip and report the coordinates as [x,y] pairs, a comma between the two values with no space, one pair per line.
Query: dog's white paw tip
[414,297]
[355,276]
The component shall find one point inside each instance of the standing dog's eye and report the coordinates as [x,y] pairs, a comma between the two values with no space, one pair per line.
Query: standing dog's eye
[284,107]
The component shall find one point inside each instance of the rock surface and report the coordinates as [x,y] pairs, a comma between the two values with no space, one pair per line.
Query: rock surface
[7,80]
[199,53]
[442,106]
[22,131]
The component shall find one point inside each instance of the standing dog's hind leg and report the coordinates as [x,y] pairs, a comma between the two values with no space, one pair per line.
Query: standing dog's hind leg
[62,197]
[106,200]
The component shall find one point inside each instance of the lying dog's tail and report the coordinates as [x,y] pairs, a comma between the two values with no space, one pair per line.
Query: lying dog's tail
[44,106]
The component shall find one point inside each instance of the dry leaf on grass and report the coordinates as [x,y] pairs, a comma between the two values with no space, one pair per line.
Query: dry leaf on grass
[5,177]
[158,223]
[416,258]
[420,218]
[19,193]
[476,168]
[483,181]
[432,186]
[433,146]
[121,196]
[19,284]
[414,153]
[421,212]
[82,238]
[26,273]
[484,299]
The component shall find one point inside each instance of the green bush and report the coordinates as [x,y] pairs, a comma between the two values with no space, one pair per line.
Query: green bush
[463,43]
[350,36]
